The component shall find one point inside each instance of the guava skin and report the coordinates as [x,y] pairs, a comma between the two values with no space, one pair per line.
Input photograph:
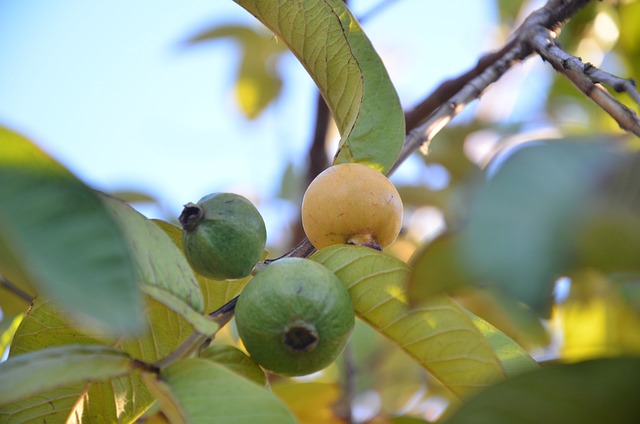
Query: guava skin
[224,236]
[351,203]
[294,317]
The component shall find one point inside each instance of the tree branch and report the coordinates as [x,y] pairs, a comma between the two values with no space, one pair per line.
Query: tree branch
[421,136]
[587,78]
[534,35]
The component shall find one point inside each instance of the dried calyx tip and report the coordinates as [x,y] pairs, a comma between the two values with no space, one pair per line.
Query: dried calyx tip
[191,215]
[300,337]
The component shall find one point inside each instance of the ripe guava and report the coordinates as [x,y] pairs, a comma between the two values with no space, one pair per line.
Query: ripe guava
[353,204]
[294,317]
[224,236]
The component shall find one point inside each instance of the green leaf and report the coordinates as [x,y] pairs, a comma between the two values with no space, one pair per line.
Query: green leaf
[57,238]
[437,267]
[216,293]
[609,234]
[258,81]
[331,45]
[597,391]
[200,391]
[523,223]
[439,334]
[37,372]
[119,400]
[165,274]
[235,360]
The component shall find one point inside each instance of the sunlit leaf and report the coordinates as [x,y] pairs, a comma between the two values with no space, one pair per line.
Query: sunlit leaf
[216,293]
[120,400]
[37,372]
[8,327]
[53,406]
[439,334]
[235,360]
[165,274]
[510,316]
[201,391]
[258,81]
[598,391]
[311,403]
[331,45]
[595,319]
[514,359]
[57,238]
[628,47]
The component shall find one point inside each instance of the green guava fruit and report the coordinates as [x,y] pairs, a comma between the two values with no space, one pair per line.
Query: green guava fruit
[224,236]
[294,317]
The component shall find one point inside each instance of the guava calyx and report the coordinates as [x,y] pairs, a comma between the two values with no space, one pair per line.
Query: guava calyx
[365,240]
[300,336]
[191,216]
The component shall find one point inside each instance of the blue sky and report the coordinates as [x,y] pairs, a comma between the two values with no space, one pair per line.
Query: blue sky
[110,90]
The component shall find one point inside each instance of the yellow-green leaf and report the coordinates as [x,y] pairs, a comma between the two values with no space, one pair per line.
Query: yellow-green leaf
[201,391]
[235,360]
[37,372]
[311,403]
[350,75]
[514,359]
[438,334]
[162,268]
[258,81]
[122,399]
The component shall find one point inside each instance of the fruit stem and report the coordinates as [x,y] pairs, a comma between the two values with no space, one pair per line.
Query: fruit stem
[197,341]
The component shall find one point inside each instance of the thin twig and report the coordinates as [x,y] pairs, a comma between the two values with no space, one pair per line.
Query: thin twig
[198,341]
[620,85]
[421,136]
[15,289]
[345,404]
[577,72]
[450,87]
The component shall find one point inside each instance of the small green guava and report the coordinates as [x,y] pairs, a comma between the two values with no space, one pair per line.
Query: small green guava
[294,317]
[224,236]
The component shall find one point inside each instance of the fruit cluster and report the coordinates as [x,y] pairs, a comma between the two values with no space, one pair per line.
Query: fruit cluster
[294,316]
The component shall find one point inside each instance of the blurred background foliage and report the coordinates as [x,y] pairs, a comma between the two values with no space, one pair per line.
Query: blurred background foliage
[573,310]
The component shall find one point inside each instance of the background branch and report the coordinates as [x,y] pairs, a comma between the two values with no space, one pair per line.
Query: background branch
[534,35]
[9,286]
[586,78]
